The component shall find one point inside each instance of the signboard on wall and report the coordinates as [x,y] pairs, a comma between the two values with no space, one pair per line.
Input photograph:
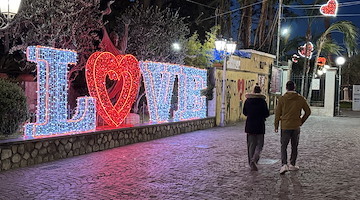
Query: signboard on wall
[233,63]
[275,81]
[315,84]
[356,98]
[261,82]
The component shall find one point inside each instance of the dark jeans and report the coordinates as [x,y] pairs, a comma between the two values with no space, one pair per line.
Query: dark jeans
[286,136]
[255,143]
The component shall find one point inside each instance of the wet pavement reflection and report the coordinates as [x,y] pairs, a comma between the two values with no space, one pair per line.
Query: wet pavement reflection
[206,164]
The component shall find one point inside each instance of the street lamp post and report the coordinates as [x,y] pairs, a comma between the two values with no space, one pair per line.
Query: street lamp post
[278,34]
[340,61]
[8,10]
[224,47]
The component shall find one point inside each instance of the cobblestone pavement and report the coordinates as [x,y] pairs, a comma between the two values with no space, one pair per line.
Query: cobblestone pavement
[207,164]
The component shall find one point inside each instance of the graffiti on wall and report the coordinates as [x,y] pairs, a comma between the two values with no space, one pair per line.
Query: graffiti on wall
[261,82]
[237,85]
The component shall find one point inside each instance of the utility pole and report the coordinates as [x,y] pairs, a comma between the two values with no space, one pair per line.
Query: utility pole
[278,33]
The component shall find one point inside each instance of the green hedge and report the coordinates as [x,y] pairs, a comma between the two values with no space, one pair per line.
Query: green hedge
[13,107]
[345,104]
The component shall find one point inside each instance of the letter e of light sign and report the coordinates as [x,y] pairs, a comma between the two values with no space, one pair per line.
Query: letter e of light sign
[159,81]
[52,111]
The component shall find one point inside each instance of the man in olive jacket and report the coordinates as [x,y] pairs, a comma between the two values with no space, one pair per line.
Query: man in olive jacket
[288,111]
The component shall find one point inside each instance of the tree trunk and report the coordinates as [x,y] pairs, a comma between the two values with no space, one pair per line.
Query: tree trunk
[260,30]
[327,25]
[248,27]
[306,63]
[159,3]
[146,3]
[314,70]
[225,20]
[246,24]
[241,27]
[306,82]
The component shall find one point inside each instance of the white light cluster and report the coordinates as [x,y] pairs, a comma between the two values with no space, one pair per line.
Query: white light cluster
[159,81]
[191,103]
[51,116]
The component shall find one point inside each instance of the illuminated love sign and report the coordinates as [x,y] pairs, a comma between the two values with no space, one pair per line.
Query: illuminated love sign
[52,113]
[123,68]
[159,81]
[330,8]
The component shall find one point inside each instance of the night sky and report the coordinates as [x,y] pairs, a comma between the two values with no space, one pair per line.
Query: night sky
[298,26]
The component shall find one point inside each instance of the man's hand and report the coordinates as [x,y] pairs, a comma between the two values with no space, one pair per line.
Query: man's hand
[276,130]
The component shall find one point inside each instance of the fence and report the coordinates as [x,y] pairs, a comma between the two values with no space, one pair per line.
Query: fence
[317,85]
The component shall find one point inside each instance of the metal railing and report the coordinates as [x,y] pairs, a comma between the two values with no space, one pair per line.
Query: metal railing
[318,92]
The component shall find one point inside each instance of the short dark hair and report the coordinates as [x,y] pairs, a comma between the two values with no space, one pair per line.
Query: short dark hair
[257,89]
[290,85]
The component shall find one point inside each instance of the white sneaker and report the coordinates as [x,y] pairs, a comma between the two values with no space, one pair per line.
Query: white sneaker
[284,169]
[293,168]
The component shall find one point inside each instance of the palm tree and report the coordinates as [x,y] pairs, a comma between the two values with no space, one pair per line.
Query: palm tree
[351,36]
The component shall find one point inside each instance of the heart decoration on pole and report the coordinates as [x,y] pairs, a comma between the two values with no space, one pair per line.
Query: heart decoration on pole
[330,8]
[306,50]
[123,68]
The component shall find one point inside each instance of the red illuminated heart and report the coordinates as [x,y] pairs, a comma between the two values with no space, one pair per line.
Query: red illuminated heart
[330,8]
[121,67]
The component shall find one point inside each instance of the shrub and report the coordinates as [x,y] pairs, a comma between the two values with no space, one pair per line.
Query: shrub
[13,107]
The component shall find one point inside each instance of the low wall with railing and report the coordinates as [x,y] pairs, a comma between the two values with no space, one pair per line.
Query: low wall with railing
[23,152]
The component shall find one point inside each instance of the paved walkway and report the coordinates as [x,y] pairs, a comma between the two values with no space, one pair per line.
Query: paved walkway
[349,113]
[208,164]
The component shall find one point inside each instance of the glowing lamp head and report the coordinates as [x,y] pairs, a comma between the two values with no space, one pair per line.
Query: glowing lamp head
[285,31]
[176,46]
[9,8]
[220,45]
[320,72]
[340,61]
[230,46]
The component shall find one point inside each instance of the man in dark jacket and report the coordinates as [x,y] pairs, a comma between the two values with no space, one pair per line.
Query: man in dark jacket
[288,111]
[256,110]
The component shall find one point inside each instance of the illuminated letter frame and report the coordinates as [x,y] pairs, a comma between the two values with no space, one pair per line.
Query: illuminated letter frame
[52,111]
[159,82]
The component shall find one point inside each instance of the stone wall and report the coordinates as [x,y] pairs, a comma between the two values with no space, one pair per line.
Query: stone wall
[21,153]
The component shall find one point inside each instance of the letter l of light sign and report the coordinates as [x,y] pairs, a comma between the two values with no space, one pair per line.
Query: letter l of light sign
[52,111]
